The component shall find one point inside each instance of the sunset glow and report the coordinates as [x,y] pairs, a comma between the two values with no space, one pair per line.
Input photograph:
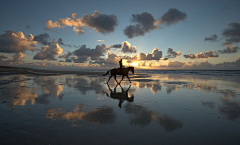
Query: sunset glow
[88,37]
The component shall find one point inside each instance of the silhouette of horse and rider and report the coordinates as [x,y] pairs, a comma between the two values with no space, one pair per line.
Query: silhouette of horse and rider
[120,71]
[120,96]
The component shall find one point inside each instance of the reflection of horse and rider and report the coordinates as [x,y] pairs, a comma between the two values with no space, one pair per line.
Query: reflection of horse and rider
[120,71]
[120,96]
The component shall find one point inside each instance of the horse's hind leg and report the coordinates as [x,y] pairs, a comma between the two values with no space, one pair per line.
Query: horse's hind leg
[115,78]
[109,78]
[121,79]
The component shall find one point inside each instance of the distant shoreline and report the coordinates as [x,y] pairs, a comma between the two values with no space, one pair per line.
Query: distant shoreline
[7,70]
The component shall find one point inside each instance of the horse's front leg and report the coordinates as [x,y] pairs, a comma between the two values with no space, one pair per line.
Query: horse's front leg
[109,78]
[121,79]
[115,78]
[129,79]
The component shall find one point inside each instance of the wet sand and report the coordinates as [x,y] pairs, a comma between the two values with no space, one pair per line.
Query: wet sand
[81,109]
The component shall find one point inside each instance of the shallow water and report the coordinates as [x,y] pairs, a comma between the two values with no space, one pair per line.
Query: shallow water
[154,109]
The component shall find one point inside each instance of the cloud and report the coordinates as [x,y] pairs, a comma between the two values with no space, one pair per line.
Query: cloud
[173,16]
[232,33]
[49,52]
[60,41]
[42,38]
[234,64]
[14,42]
[229,49]
[146,22]
[175,64]
[101,115]
[99,22]
[18,56]
[126,47]
[142,116]
[112,60]
[155,55]
[172,54]
[100,40]
[207,54]
[80,59]
[2,57]
[65,55]
[93,53]
[212,38]
[116,46]
[28,26]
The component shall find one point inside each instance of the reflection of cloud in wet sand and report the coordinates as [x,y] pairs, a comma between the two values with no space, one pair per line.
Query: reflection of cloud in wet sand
[143,117]
[154,85]
[208,104]
[49,86]
[84,84]
[17,93]
[231,110]
[101,115]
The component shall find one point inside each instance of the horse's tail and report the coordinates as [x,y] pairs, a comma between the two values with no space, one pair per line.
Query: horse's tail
[106,73]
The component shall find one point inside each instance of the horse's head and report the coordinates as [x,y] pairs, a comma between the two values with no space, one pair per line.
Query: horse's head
[131,69]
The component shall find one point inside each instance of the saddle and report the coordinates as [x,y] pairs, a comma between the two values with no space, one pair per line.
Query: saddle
[118,70]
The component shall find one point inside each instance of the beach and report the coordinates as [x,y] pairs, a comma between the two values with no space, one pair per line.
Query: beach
[78,107]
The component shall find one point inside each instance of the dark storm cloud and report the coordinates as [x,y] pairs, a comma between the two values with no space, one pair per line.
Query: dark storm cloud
[212,38]
[207,54]
[42,38]
[173,16]
[14,42]
[145,23]
[229,49]
[155,55]
[93,53]
[232,33]
[172,54]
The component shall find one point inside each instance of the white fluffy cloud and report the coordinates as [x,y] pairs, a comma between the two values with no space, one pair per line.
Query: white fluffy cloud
[18,56]
[49,52]
[155,55]
[207,54]
[126,47]
[99,22]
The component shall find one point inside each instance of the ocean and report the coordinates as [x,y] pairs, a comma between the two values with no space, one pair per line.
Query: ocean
[176,72]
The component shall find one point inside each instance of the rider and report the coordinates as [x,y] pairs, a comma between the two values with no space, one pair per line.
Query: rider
[121,66]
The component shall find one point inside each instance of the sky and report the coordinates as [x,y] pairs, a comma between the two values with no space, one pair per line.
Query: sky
[93,34]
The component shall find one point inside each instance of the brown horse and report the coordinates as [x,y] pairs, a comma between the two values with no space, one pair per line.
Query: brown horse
[124,73]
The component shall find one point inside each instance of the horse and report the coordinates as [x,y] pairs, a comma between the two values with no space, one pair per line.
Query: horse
[124,73]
